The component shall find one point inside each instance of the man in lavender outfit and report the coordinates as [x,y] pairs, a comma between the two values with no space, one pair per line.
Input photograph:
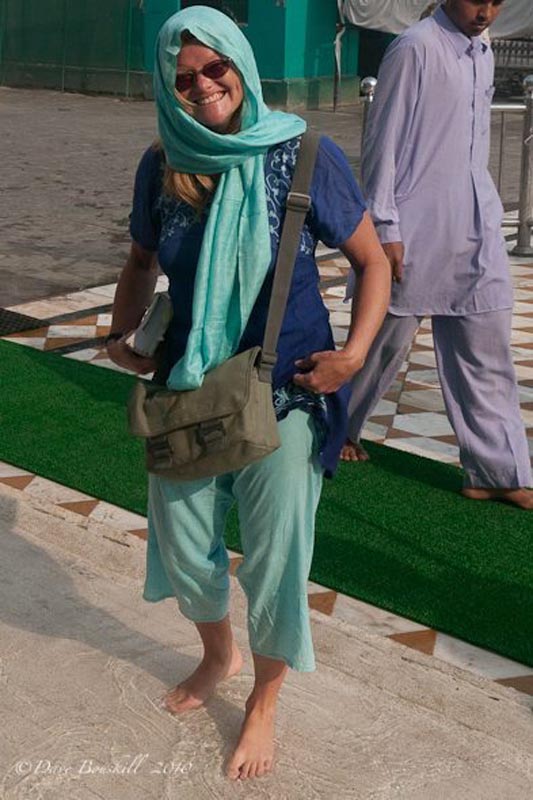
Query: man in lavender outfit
[438,216]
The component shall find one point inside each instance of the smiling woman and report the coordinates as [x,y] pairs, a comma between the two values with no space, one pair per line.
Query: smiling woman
[209,207]
[208,86]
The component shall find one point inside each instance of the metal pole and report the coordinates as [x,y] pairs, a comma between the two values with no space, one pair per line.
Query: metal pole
[525,208]
[337,45]
[368,88]
[128,47]
[64,28]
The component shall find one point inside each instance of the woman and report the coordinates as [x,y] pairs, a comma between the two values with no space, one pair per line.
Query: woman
[209,206]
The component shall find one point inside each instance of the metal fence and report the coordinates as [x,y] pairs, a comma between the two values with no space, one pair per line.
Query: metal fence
[513,53]
[514,60]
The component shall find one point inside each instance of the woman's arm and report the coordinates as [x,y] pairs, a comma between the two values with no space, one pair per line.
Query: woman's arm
[326,371]
[134,292]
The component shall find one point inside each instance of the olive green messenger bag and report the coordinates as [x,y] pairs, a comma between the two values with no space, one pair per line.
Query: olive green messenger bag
[229,421]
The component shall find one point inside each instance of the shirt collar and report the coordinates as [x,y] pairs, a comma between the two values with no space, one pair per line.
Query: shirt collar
[461,43]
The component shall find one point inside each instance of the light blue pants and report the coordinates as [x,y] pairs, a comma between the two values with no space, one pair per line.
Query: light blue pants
[277,499]
[475,367]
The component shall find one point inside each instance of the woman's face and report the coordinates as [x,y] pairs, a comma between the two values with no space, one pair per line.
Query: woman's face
[212,102]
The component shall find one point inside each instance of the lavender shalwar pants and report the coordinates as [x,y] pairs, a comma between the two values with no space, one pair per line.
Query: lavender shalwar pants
[478,381]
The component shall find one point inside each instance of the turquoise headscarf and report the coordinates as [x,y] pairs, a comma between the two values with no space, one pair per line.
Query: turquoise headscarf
[235,251]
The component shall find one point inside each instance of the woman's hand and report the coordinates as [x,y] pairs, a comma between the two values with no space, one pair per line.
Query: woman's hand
[326,371]
[121,354]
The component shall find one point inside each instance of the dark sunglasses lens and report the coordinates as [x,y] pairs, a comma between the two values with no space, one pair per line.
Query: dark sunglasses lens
[216,69]
[184,81]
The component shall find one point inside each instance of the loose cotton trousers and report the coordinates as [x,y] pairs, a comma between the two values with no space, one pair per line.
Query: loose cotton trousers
[477,377]
[277,498]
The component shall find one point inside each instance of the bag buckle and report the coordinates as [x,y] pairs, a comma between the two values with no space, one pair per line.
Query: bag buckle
[265,366]
[297,201]
[210,434]
[161,452]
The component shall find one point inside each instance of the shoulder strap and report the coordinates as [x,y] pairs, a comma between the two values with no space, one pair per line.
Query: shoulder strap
[298,204]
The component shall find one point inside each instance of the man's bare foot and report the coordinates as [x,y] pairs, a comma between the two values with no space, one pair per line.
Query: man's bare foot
[353,451]
[523,498]
[254,754]
[194,691]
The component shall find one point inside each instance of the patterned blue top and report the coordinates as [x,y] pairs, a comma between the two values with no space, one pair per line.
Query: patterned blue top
[162,223]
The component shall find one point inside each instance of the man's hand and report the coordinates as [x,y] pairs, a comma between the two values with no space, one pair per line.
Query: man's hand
[326,371]
[121,354]
[395,253]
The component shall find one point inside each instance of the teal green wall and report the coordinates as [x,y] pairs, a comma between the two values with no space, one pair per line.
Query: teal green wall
[108,46]
[156,12]
[293,45]
[92,45]
[311,30]
[266,32]
[295,40]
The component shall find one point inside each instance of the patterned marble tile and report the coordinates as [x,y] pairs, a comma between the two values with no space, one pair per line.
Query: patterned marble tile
[423,641]
[10,471]
[337,292]
[77,331]
[377,620]
[85,355]
[340,318]
[483,662]
[384,407]
[117,517]
[424,446]
[51,492]
[339,336]
[425,423]
[424,399]
[62,304]
[422,377]
[375,432]
[37,342]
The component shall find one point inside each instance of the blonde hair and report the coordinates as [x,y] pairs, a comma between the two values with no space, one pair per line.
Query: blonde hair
[194,189]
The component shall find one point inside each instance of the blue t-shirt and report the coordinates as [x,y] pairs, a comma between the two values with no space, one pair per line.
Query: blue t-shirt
[171,227]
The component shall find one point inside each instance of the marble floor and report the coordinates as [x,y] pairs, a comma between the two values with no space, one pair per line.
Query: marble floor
[410,417]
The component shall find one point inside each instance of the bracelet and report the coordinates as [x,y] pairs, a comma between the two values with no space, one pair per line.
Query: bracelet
[113,337]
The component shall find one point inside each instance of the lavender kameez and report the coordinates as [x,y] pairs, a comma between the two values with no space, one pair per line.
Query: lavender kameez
[425,174]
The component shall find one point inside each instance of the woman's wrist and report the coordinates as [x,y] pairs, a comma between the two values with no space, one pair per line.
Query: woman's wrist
[354,355]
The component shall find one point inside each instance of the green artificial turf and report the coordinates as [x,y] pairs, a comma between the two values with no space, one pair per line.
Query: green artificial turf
[393,531]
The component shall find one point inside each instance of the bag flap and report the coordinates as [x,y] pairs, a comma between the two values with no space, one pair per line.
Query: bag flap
[154,410]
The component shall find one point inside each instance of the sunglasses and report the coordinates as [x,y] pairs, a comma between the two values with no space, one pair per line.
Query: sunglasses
[213,70]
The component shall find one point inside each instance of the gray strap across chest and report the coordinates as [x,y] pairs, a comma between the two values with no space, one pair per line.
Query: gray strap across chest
[298,204]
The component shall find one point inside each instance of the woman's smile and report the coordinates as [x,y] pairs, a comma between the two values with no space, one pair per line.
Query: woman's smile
[212,98]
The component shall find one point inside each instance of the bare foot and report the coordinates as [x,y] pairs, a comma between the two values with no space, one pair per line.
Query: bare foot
[194,691]
[523,498]
[353,451]
[254,754]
